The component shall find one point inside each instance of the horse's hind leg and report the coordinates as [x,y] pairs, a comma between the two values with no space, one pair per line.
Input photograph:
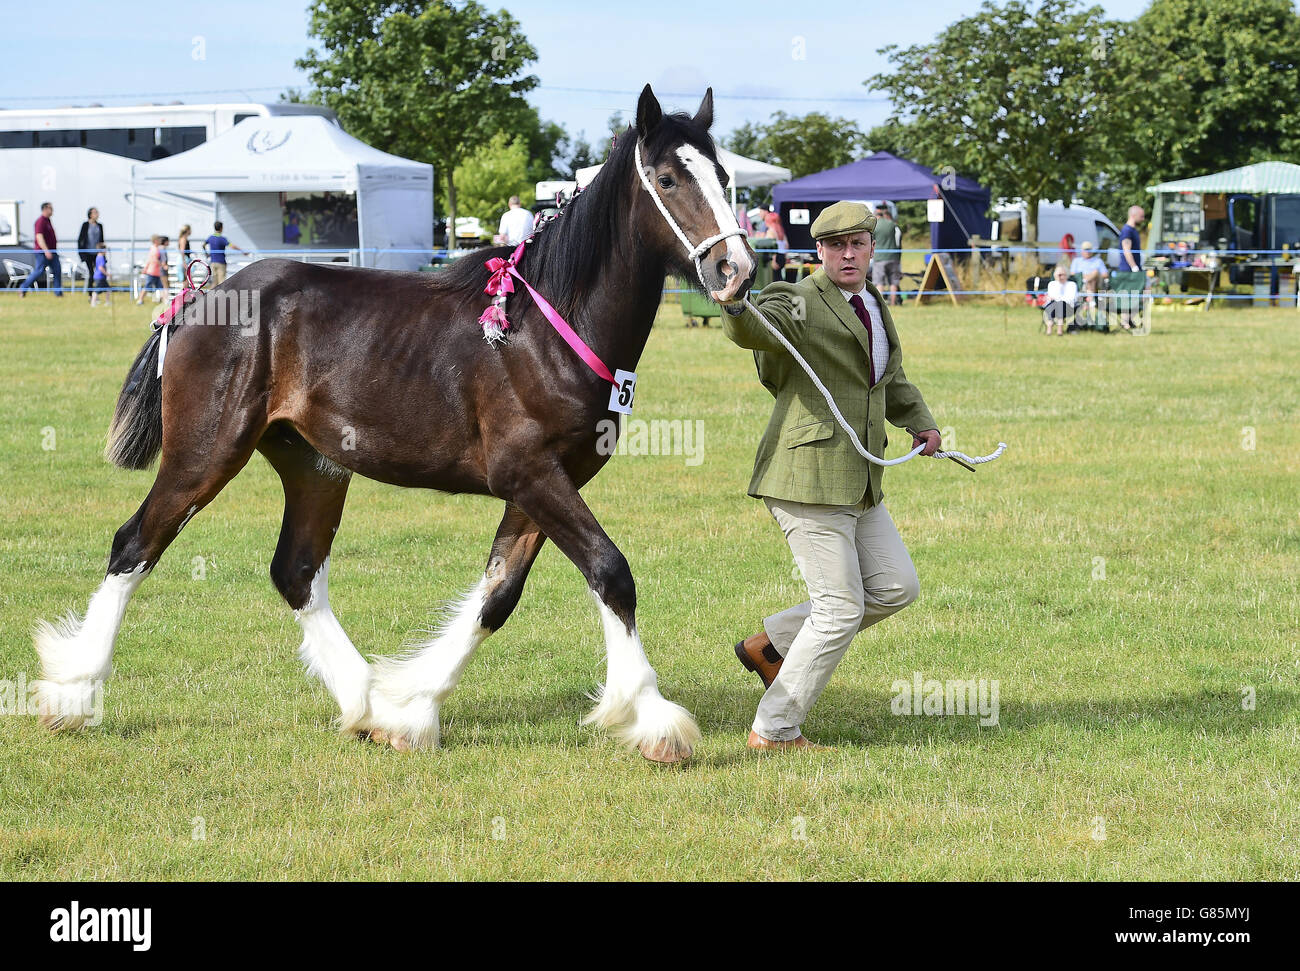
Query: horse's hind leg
[314,492]
[630,703]
[407,691]
[77,654]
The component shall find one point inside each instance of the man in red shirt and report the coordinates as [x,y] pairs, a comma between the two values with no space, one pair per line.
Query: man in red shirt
[47,253]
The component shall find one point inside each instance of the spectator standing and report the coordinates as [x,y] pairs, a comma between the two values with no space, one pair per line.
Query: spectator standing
[887,267]
[516,223]
[1130,241]
[88,240]
[99,276]
[164,265]
[47,252]
[152,269]
[183,244]
[215,247]
[777,232]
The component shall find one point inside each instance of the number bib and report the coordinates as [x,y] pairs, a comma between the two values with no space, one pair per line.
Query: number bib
[624,390]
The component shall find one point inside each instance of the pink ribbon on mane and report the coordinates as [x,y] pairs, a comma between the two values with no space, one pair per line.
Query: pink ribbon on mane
[500,282]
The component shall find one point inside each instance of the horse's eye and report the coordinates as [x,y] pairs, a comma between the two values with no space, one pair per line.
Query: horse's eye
[666,181]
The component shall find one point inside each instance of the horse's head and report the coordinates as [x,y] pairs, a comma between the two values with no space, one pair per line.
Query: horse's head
[688,218]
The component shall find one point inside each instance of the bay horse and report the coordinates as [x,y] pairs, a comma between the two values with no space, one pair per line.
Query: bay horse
[386,374]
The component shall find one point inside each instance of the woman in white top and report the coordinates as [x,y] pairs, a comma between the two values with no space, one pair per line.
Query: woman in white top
[1062,295]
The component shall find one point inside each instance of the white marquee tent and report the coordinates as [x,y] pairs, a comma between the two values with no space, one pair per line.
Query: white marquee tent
[259,158]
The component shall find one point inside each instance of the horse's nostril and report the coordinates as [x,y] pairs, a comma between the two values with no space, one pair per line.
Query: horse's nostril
[727,269]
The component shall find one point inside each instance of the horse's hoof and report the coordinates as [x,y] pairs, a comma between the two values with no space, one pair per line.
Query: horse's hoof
[399,743]
[666,751]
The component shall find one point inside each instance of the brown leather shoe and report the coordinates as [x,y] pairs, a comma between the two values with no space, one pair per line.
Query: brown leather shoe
[758,655]
[757,741]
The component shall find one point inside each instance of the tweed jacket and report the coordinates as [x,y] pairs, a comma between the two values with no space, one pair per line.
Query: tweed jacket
[804,455]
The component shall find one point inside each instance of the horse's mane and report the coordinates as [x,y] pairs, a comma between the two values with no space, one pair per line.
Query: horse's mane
[564,258]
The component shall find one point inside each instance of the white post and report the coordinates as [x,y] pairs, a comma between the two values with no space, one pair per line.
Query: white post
[361,225]
[131,266]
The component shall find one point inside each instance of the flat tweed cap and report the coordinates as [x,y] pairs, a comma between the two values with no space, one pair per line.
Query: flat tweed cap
[841,218]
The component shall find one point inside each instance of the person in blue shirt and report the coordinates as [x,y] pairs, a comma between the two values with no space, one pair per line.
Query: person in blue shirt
[99,281]
[1091,270]
[1130,241]
[215,247]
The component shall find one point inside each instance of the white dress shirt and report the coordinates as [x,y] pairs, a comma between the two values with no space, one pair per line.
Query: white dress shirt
[879,339]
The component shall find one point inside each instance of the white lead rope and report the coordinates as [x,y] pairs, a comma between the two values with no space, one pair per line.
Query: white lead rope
[696,254]
[853,436]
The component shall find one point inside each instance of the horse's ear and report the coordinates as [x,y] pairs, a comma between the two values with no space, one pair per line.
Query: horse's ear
[704,117]
[648,111]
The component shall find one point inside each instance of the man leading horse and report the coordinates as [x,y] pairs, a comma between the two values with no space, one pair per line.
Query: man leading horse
[826,498]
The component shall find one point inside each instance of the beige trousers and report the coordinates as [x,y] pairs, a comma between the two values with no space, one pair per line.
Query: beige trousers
[218,273]
[858,572]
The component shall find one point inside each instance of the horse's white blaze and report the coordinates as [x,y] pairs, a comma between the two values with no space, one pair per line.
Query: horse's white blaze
[77,655]
[702,170]
[630,704]
[407,691]
[328,653]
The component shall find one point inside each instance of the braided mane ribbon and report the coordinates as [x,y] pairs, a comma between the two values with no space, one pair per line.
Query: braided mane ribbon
[499,286]
[494,321]
[187,295]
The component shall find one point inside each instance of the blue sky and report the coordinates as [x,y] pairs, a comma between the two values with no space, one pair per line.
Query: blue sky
[748,52]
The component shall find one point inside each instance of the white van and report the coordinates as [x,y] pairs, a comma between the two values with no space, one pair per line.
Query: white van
[1055,220]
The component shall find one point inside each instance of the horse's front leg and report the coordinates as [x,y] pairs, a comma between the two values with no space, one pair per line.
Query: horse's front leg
[630,704]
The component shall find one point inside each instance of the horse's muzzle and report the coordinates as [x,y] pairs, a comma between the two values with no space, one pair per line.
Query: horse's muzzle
[728,284]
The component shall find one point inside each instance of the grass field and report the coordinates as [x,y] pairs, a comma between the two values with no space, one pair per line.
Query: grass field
[1127,572]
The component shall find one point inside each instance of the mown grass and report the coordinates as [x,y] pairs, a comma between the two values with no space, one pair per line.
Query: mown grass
[1120,695]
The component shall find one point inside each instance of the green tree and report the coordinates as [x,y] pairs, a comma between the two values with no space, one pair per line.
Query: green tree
[578,154]
[747,140]
[803,144]
[895,137]
[810,143]
[432,81]
[1209,85]
[546,141]
[491,175]
[1015,97]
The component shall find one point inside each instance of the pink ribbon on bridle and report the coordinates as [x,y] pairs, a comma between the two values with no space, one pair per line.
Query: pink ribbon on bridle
[500,284]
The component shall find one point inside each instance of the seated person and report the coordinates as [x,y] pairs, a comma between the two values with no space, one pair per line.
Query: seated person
[1182,257]
[1091,268]
[1062,295]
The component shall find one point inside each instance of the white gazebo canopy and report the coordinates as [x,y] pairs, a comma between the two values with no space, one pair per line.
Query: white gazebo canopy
[259,158]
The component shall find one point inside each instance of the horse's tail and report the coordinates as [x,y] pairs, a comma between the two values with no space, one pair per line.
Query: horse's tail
[135,437]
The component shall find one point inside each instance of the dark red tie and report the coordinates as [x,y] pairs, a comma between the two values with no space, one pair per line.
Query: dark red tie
[860,309]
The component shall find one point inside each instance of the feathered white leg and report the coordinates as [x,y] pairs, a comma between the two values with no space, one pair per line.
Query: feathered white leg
[629,703]
[77,655]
